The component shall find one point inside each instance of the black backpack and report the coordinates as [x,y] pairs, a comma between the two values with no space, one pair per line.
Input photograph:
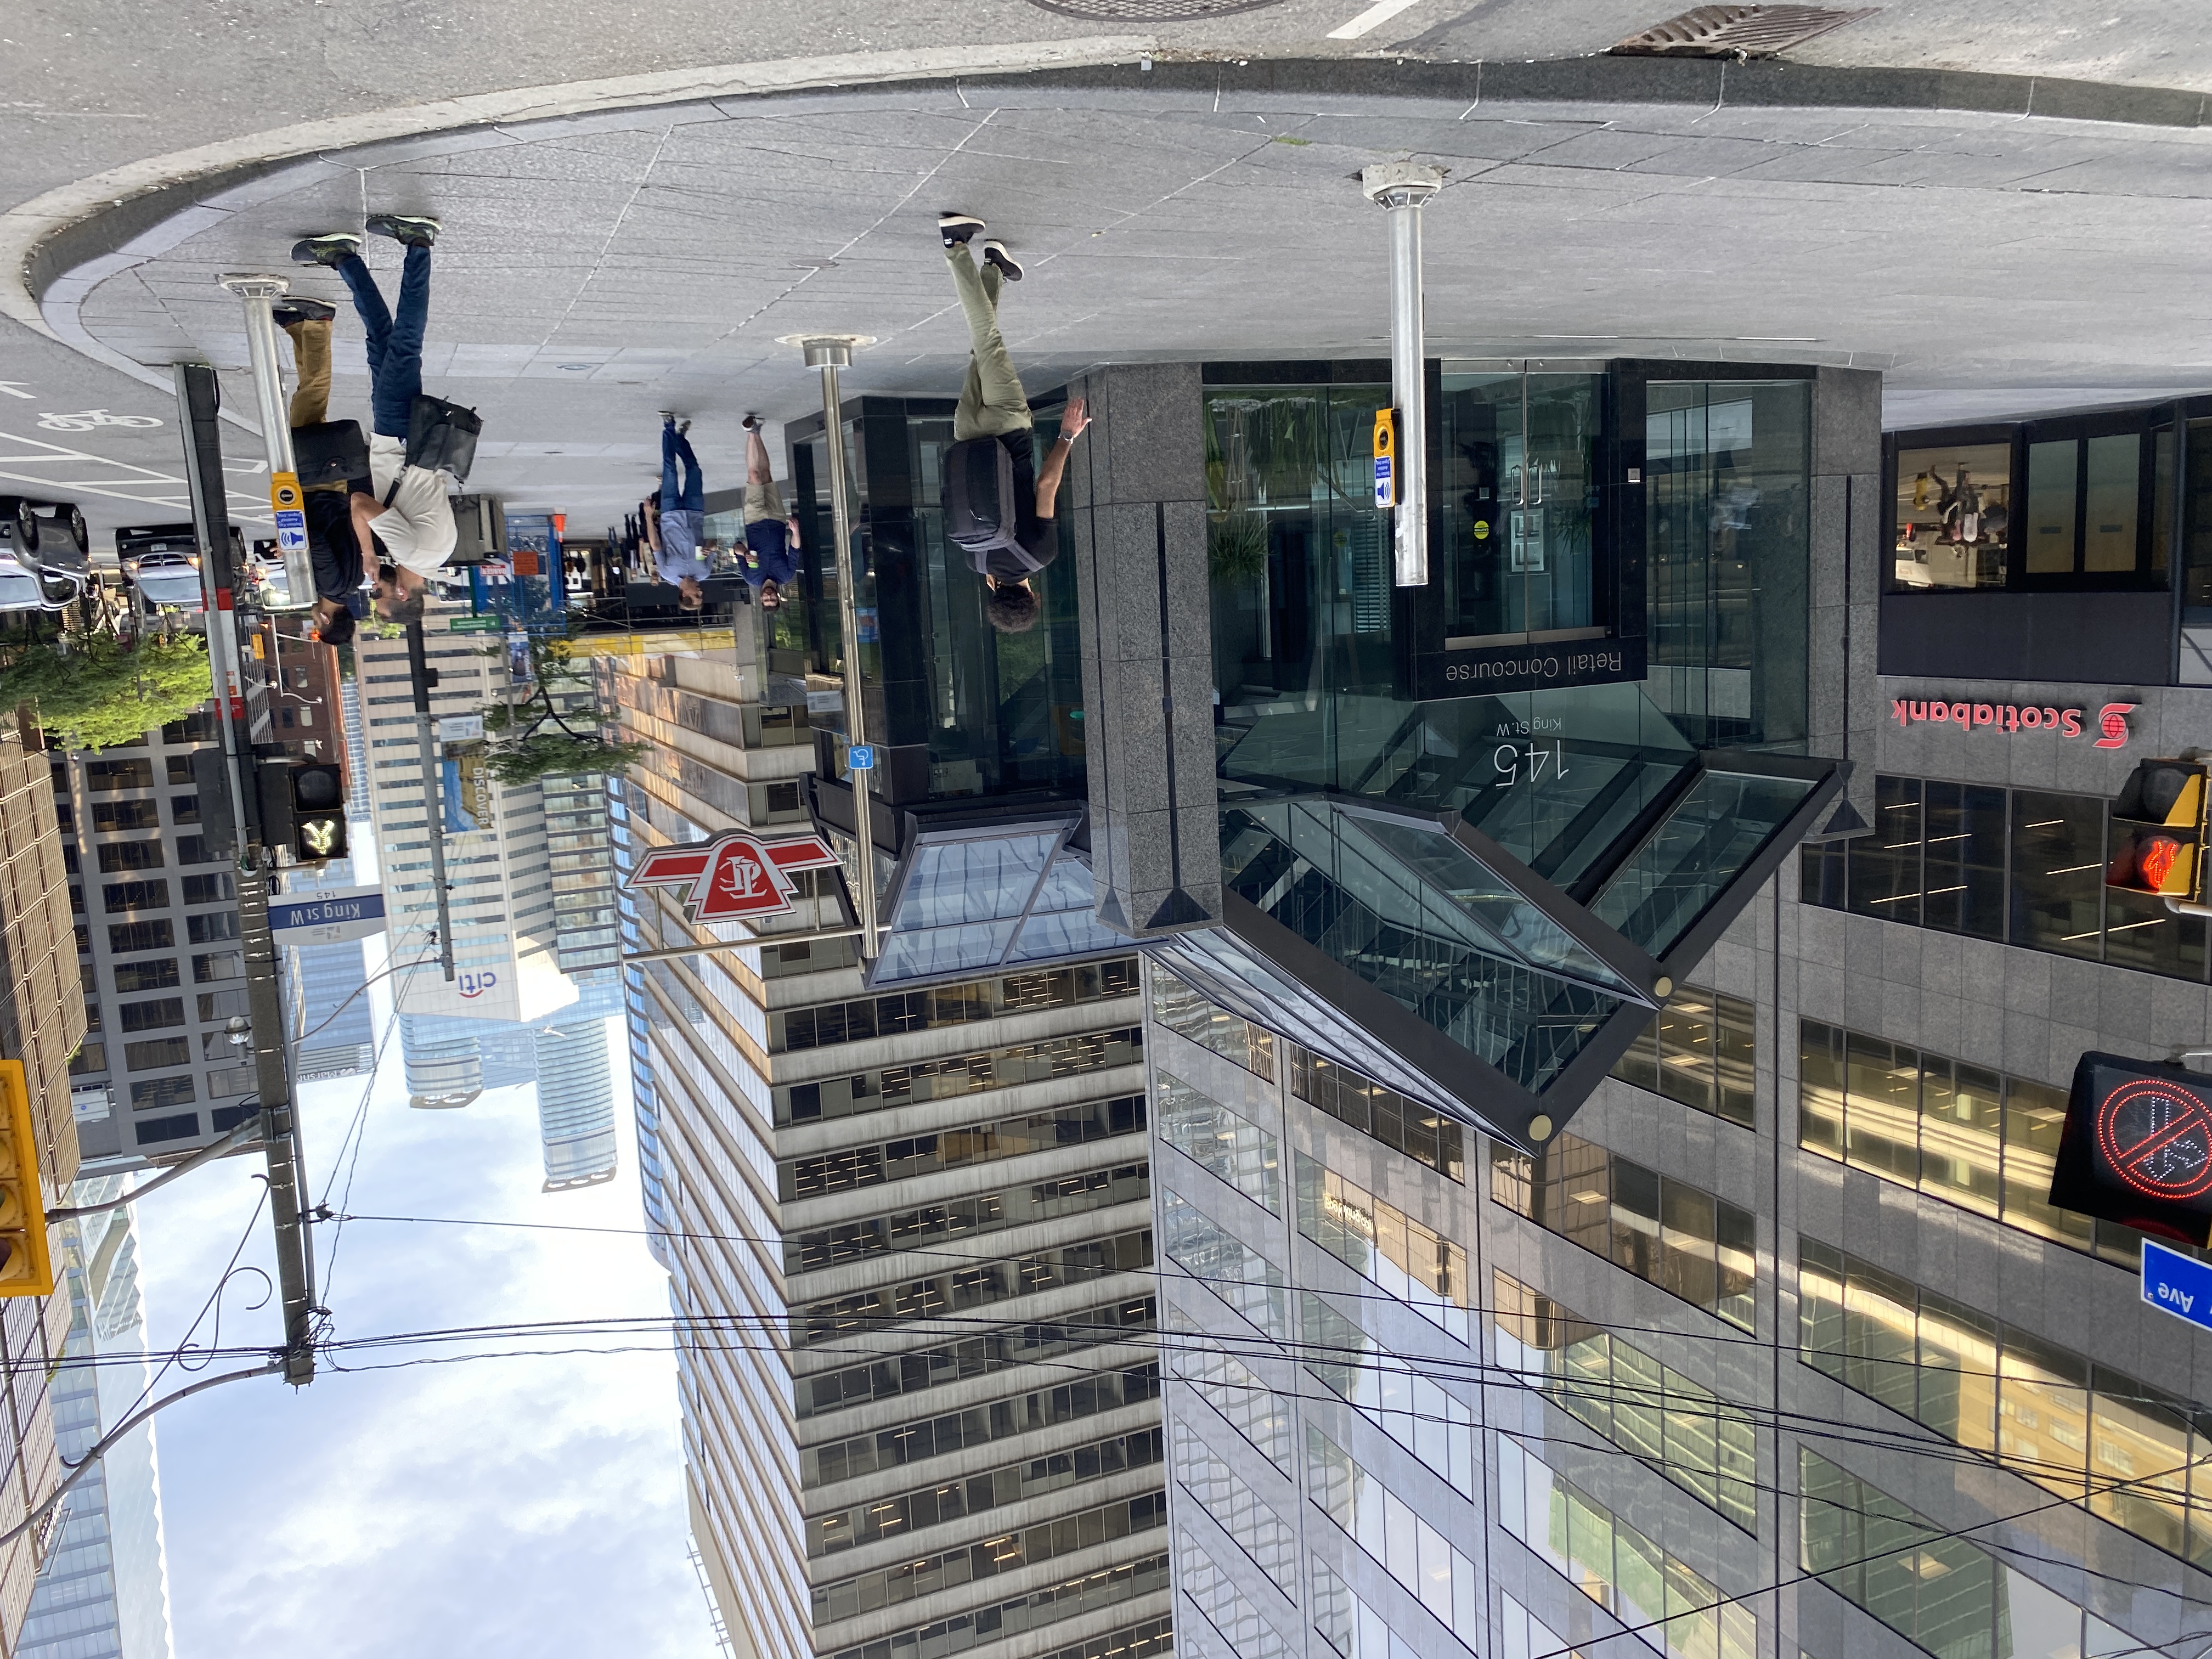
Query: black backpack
[981,512]
[328,452]
[442,436]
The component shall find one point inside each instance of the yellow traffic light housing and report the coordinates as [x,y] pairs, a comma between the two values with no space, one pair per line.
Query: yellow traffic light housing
[2159,830]
[26,1267]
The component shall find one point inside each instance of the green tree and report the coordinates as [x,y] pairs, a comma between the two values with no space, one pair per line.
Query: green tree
[556,728]
[99,694]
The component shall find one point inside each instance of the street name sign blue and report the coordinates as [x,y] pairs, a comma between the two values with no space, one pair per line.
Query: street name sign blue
[328,918]
[2176,1283]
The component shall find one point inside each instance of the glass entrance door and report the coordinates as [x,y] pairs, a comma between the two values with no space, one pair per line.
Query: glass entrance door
[1519,493]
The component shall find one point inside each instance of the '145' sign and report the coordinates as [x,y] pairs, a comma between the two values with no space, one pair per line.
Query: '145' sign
[736,877]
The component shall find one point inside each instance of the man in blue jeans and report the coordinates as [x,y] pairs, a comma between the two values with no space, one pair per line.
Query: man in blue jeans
[674,522]
[408,530]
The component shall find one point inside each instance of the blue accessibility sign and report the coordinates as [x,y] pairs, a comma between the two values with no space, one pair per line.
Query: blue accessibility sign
[2176,1283]
[861,757]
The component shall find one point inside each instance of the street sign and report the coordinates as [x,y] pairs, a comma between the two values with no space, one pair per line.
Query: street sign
[474,624]
[861,757]
[1386,459]
[736,875]
[2176,1283]
[328,918]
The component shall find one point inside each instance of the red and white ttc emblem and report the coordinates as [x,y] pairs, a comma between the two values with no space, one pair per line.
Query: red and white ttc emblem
[736,875]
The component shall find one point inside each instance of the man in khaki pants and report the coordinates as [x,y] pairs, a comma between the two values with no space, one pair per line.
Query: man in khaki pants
[993,405]
[331,543]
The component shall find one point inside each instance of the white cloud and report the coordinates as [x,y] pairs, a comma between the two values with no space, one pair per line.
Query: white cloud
[497,1505]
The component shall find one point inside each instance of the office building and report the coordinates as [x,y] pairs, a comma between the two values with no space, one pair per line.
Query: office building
[941,1198]
[42,1020]
[576,1103]
[103,1589]
[1603,1143]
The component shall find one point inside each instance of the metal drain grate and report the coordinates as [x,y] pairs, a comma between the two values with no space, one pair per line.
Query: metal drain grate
[1737,31]
[1150,11]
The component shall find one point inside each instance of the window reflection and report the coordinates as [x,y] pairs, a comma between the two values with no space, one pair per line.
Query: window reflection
[1953,515]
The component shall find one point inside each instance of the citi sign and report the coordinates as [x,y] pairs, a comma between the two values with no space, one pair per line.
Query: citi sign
[475,985]
[2014,717]
[736,875]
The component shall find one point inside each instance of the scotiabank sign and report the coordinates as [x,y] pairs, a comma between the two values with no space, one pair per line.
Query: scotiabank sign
[2110,725]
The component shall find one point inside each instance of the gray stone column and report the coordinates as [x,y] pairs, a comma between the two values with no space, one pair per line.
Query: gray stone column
[1845,697]
[1136,498]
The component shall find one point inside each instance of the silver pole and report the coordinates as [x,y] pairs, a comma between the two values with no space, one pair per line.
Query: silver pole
[260,294]
[830,355]
[1400,187]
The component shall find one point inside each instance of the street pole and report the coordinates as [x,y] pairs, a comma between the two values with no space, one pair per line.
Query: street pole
[260,294]
[198,399]
[425,743]
[830,353]
[1400,188]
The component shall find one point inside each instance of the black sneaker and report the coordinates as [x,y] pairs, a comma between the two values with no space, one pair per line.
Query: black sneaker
[956,228]
[408,229]
[302,310]
[327,249]
[995,253]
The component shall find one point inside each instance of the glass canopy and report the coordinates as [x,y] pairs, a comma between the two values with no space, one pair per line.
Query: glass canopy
[971,900]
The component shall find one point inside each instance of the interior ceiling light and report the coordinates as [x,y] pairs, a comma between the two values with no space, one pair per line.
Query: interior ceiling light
[1737,31]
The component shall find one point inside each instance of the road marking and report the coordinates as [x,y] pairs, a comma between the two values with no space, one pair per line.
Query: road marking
[15,389]
[154,489]
[1376,15]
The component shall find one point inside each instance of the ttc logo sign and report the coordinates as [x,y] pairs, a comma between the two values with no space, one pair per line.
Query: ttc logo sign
[736,877]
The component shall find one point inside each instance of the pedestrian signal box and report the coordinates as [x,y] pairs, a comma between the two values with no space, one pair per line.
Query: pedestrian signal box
[1386,459]
[2158,831]
[26,1267]
[2136,1147]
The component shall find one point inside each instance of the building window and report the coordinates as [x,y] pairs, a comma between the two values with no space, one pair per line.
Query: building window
[1406,1126]
[154,1092]
[193,849]
[1700,1050]
[156,1053]
[1268,1540]
[184,809]
[1953,514]
[1419,1266]
[1188,1014]
[153,1015]
[213,927]
[1972,1137]
[848,1168]
[937,1437]
[124,937]
[1940,1592]
[220,1004]
[1398,1535]
[103,776]
[217,965]
[180,769]
[1395,1395]
[960,1074]
[828,1023]
[135,895]
[198,726]
[1685,1240]
[1617,1566]
[145,975]
[152,1131]
[1650,1410]
[108,816]
[1238,1275]
[116,855]
[2024,866]
[90,1058]
[928,1224]
[1227,1145]
[208,890]
[959,1290]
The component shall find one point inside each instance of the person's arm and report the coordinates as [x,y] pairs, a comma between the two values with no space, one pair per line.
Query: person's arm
[1071,423]
[366,510]
[652,528]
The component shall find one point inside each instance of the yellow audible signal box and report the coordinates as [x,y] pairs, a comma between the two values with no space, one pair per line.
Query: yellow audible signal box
[25,1268]
[1386,459]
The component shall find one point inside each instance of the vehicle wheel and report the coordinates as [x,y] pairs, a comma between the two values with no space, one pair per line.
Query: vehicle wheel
[26,527]
[79,531]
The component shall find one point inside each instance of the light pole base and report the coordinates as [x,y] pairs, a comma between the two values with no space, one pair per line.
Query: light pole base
[1400,183]
[248,285]
[827,350]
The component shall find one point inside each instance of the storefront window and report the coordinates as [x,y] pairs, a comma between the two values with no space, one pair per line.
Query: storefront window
[2112,469]
[1964,874]
[2051,507]
[2058,872]
[2197,530]
[1953,515]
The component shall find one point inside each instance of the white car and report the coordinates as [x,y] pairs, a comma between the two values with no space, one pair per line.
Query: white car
[34,586]
[166,582]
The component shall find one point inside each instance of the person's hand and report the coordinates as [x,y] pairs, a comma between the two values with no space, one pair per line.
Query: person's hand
[1073,419]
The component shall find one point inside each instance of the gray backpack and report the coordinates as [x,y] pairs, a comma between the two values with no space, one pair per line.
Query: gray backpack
[981,513]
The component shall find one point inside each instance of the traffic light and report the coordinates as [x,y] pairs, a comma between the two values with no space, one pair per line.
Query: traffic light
[26,1269]
[2158,830]
[303,807]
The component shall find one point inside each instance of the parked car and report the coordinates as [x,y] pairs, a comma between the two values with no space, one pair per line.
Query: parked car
[30,586]
[58,527]
[161,565]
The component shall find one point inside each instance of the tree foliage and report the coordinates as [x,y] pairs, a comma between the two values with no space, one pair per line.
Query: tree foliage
[101,694]
[556,728]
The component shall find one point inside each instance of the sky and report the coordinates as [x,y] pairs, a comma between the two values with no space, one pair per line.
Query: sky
[497,1505]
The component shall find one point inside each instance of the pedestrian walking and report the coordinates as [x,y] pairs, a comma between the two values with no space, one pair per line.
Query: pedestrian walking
[771,530]
[332,548]
[674,522]
[1000,504]
[407,526]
